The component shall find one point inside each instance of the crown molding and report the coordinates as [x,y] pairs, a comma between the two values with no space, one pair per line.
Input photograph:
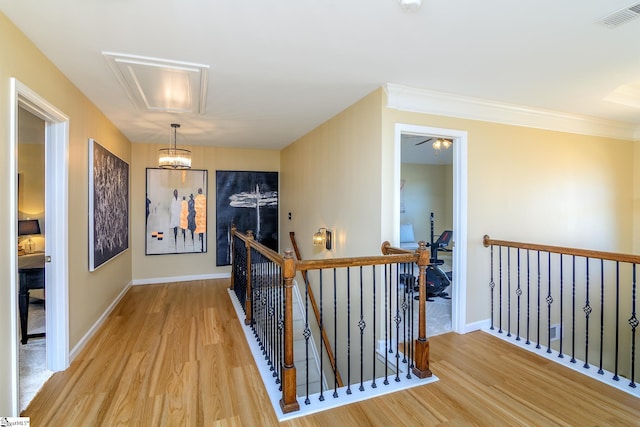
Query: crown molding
[407,98]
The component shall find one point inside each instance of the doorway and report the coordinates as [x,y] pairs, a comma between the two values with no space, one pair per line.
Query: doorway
[448,199]
[31,242]
[54,247]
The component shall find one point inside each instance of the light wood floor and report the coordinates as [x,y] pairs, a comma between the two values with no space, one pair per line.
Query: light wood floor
[175,355]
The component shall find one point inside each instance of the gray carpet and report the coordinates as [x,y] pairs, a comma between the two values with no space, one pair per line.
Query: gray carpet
[438,316]
[32,355]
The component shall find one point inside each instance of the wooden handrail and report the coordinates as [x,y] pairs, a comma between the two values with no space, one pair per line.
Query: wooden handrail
[610,256]
[317,264]
[387,249]
[267,252]
[316,311]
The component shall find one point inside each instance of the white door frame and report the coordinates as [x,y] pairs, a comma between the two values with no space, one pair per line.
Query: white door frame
[56,220]
[459,282]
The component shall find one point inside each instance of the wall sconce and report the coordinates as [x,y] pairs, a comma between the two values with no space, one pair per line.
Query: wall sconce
[322,238]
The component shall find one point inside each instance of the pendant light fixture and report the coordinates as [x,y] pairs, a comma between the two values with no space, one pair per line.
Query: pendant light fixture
[174,157]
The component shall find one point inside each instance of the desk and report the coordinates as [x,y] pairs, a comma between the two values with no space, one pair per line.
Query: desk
[31,275]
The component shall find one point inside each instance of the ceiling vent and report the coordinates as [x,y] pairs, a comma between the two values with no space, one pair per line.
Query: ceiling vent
[161,85]
[621,17]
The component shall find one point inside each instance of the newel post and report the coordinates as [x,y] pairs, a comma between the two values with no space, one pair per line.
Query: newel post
[289,402]
[248,307]
[421,368]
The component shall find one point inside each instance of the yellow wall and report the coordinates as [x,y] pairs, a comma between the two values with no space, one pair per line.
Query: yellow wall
[148,268]
[89,293]
[534,186]
[31,188]
[636,197]
[331,178]
[31,174]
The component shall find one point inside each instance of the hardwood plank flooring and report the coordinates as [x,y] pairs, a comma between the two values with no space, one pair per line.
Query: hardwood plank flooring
[175,355]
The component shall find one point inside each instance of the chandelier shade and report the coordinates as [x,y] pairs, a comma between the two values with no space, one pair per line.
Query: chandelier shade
[174,157]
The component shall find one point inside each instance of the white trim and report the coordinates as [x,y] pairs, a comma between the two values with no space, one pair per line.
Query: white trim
[460,196]
[13,243]
[459,283]
[605,378]
[446,104]
[158,280]
[56,215]
[96,326]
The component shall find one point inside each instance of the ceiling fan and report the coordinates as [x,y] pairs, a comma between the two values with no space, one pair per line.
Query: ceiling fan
[438,143]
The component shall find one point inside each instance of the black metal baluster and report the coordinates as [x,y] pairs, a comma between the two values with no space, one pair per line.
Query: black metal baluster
[600,370]
[633,322]
[335,334]
[373,332]
[560,355]
[549,302]
[361,324]
[518,293]
[492,285]
[539,295]
[528,297]
[307,334]
[397,320]
[587,313]
[270,314]
[508,291]
[573,310]
[321,354]
[280,330]
[615,372]
[348,330]
[386,324]
[411,300]
[405,314]
[500,289]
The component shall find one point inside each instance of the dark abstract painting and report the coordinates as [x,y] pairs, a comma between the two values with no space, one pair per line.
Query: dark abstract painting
[248,200]
[108,205]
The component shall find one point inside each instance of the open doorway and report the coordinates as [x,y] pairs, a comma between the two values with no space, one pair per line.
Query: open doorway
[33,371]
[426,213]
[53,126]
[431,178]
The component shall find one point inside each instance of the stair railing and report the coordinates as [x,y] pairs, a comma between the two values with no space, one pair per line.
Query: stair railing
[267,279]
[574,302]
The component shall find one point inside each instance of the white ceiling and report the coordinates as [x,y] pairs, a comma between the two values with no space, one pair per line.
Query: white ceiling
[279,68]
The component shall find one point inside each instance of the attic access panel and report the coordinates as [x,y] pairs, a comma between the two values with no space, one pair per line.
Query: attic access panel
[161,85]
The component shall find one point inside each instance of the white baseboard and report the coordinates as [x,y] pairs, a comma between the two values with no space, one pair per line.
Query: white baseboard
[91,332]
[156,280]
[476,326]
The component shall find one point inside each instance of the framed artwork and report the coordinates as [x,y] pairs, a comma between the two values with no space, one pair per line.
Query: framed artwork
[176,211]
[108,205]
[248,200]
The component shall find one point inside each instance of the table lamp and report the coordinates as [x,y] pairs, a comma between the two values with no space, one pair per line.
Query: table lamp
[28,227]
